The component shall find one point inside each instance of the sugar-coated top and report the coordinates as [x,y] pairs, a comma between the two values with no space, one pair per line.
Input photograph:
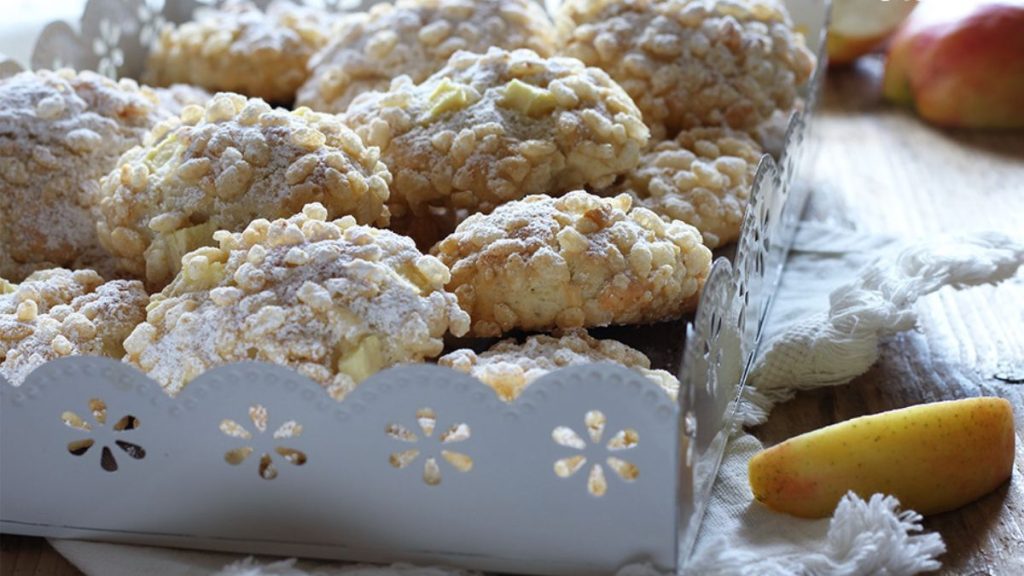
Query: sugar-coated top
[491,128]
[223,166]
[510,366]
[416,38]
[335,300]
[576,261]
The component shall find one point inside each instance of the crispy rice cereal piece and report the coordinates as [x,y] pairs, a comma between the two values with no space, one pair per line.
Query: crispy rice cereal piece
[239,48]
[60,132]
[492,128]
[576,261]
[509,366]
[224,166]
[335,301]
[56,313]
[690,63]
[703,178]
[416,38]
[174,98]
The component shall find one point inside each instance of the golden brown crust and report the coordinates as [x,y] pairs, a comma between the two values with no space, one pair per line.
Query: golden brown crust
[333,300]
[492,128]
[509,366]
[224,166]
[702,178]
[61,132]
[56,313]
[239,48]
[690,63]
[416,38]
[577,261]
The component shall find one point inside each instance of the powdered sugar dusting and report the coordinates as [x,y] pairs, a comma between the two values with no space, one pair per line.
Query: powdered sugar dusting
[224,165]
[61,132]
[57,313]
[333,300]
[545,263]
[510,366]
[240,48]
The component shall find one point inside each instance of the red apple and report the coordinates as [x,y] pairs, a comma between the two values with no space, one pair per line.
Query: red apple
[961,63]
[860,26]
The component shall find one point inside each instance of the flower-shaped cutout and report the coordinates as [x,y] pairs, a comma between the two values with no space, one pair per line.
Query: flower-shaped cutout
[260,417]
[98,410]
[427,421]
[595,422]
[151,17]
[107,48]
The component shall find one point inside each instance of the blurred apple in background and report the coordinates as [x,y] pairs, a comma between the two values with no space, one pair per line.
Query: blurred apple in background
[961,63]
[860,26]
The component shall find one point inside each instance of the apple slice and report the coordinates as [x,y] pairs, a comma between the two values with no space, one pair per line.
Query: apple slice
[932,457]
[860,26]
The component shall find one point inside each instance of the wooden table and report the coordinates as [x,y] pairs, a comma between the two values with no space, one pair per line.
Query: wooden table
[889,173]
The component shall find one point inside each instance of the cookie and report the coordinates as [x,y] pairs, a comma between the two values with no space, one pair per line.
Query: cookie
[336,301]
[57,313]
[223,166]
[543,263]
[510,366]
[415,38]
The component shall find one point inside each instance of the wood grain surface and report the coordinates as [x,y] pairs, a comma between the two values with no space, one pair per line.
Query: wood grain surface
[887,172]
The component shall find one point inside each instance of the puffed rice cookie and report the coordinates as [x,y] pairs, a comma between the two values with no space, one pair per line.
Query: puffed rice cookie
[239,48]
[510,366]
[492,128]
[547,263]
[60,132]
[690,63]
[224,166]
[56,313]
[333,300]
[416,38]
[702,177]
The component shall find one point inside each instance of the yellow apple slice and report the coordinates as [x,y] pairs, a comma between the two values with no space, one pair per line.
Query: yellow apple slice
[859,26]
[932,457]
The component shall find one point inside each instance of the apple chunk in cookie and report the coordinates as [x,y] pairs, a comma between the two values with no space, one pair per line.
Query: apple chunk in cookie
[336,301]
[545,263]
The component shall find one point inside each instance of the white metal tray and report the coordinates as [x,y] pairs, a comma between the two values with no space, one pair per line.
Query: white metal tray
[420,463]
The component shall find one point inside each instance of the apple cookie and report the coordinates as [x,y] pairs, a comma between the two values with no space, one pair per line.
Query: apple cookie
[221,168]
[703,177]
[545,263]
[61,132]
[492,128]
[334,300]
[416,38]
[690,63]
[239,48]
[509,366]
[56,313]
